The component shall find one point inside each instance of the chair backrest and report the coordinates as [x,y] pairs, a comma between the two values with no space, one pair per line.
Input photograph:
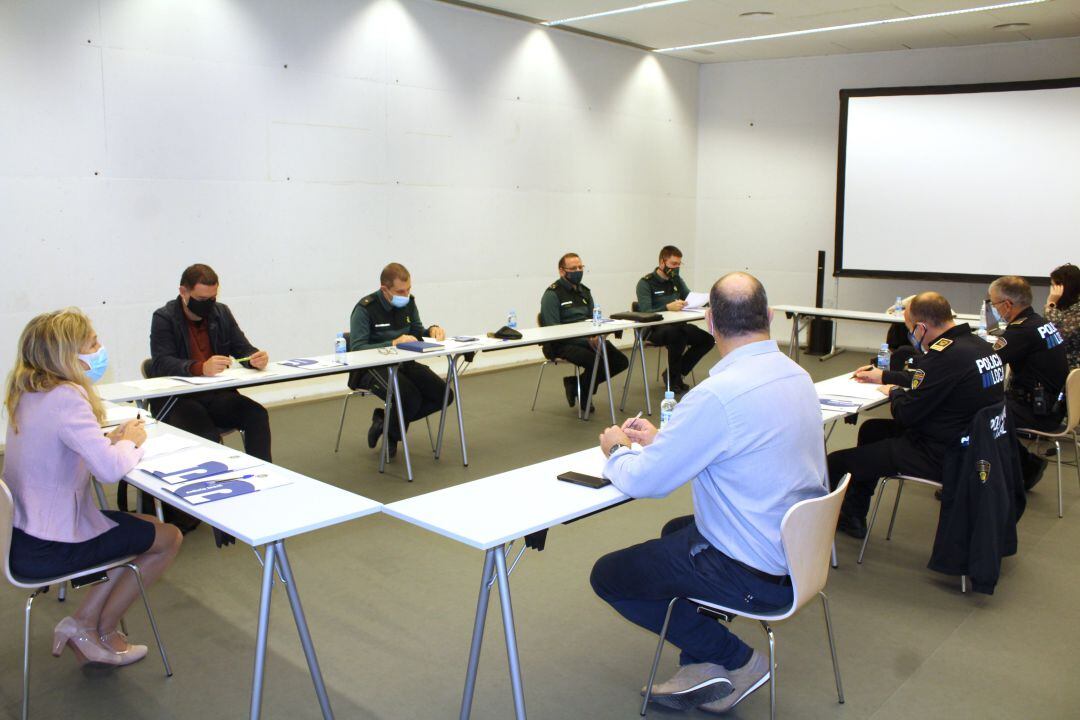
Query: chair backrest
[145,367]
[634,306]
[1072,400]
[808,530]
[539,320]
[7,519]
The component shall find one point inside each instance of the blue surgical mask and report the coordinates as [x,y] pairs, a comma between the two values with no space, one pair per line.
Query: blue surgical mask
[98,362]
[997,316]
[399,301]
[574,278]
[915,343]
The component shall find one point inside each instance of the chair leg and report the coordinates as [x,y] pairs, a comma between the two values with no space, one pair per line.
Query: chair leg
[835,563]
[1057,456]
[659,357]
[895,507]
[963,583]
[629,374]
[430,437]
[103,502]
[150,614]
[538,381]
[772,669]
[26,657]
[577,398]
[61,592]
[344,407]
[873,517]
[832,647]
[656,658]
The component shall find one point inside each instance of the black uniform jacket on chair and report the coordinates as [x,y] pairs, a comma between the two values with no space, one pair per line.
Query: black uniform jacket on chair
[1035,350]
[654,293]
[563,303]
[170,353]
[982,500]
[959,375]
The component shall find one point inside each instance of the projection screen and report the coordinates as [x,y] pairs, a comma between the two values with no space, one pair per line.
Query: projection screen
[961,182]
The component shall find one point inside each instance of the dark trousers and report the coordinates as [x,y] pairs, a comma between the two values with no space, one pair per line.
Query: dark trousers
[206,414]
[640,581]
[584,356]
[686,345]
[1023,416]
[421,393]
[883,449]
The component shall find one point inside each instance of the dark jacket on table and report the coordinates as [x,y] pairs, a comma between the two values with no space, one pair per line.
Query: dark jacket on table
[170,353]
[982,500]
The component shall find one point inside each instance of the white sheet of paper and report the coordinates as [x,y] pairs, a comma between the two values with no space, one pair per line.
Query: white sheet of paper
[696,300]
[163,445]
[202,379]
[171,468]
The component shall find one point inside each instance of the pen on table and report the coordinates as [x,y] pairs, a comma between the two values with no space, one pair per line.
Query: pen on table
[633,423]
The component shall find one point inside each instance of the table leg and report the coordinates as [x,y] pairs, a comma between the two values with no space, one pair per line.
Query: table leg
[388,405]
[302,630]
[451,367]
[460,421]
[478,631]
[511,634]
[793,348]
[264,625]
[607,377]
[592,385]
[644,374]
[401,423]
[629,371]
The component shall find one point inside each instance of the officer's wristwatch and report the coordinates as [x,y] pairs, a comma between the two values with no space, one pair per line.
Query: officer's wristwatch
[615,447]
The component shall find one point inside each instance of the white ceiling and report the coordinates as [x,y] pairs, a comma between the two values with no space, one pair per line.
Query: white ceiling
[699,21]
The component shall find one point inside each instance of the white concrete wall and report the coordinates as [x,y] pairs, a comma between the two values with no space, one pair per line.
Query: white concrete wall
[297,147]
[767,166]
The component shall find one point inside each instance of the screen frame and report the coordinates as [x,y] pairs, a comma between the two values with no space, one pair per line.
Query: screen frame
[841,163]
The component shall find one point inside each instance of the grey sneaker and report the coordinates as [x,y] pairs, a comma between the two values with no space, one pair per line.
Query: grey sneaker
[691,686]
[745,680]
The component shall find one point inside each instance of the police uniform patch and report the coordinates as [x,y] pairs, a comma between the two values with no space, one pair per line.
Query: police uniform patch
[1000,343]
[917,378]
[940,344]
[1019,321]
[366,301]
[983,468]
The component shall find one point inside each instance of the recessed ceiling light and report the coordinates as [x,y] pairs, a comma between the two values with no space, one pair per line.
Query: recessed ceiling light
[1012,26]
[634,8]
[757,15]
[853,26]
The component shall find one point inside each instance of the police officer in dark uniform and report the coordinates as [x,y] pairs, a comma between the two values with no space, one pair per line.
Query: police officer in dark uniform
[1034,350]
[664,289]
[567,300]
[385,318]
[958,375]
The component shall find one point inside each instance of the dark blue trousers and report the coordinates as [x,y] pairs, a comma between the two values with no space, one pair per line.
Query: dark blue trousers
[640,581]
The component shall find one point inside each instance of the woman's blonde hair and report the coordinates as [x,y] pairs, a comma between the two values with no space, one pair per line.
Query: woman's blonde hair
[48,356]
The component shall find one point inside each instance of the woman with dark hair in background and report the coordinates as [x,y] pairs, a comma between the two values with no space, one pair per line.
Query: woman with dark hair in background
[1063,310]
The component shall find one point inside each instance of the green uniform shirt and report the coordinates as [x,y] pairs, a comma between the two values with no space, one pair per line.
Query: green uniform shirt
[563,303]
[376,323]
[654,292]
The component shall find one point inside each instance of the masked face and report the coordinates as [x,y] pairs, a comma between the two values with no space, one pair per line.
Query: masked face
[203,307]
[998,319]
[916,342]
[399,301]
[574,278]
[97,362]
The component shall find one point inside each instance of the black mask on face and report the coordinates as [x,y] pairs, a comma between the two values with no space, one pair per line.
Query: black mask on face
[672,273]
[202,308]
[574,277]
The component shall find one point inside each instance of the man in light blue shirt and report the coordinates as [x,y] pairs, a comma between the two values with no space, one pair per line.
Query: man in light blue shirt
[749,440]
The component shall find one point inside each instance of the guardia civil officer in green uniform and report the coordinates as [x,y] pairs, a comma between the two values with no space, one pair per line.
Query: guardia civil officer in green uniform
[663,289]
[385,318]
[568,300]
[1034,350]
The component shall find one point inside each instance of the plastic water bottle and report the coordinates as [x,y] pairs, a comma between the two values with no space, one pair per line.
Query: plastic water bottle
[982,320]
[597,316]
[898,308]
[667,406]
[339,347]
[884,356]
[511,319]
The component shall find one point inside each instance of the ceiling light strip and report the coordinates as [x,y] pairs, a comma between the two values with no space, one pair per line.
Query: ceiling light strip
[852,26]
[635,8]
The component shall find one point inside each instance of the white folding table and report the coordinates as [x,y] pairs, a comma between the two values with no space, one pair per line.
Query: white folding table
[268,518]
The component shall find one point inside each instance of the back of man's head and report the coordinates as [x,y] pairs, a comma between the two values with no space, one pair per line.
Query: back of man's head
[930,308]
[1014,288]
[738,306]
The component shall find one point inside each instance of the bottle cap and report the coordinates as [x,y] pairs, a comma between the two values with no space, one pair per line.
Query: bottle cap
[669,394]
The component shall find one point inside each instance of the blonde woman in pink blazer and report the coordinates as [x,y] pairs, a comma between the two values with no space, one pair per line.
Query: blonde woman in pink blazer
[54,442]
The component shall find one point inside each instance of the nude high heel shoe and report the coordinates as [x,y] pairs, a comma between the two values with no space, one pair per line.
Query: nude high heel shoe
[130,654]
[88,647]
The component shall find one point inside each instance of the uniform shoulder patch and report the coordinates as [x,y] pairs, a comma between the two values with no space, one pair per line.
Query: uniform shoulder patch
[552,285]
[646,276]
[1018,321]
[1000,343]
[940,344]
[365,301]
[917,378]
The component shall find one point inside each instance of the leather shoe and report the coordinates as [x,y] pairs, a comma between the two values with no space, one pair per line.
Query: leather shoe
[852,525]
[393,448]
[570,386]
[376,430]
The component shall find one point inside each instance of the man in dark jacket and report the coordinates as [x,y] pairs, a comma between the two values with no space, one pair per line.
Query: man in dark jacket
[958,375]
[194,335]
[1034,350]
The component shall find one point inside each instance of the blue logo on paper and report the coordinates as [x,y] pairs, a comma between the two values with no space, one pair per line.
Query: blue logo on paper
[209,491]
[202,470]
